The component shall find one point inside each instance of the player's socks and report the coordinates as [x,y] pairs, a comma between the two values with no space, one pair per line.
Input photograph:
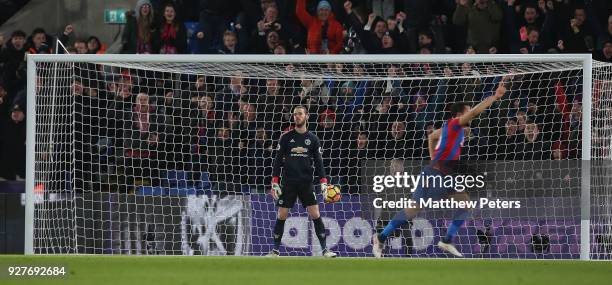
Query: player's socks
[458,219]
[279,229]
[452,230]
[398,220]
[320,231]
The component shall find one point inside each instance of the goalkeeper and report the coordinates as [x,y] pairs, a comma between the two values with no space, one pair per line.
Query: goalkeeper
[296,151]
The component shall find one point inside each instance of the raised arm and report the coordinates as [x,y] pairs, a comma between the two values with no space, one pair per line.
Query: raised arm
[465,119]
[300,10]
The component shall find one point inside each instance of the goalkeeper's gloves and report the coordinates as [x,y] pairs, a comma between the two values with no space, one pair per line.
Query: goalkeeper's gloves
[323,182]
[276,189]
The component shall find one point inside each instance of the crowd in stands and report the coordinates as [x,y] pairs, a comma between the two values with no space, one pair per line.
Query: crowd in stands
[131,123]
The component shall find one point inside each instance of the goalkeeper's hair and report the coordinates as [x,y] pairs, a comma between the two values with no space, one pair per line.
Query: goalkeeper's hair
[301,107]
[457,108]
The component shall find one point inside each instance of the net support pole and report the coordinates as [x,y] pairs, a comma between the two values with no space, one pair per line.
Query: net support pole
[30,157]
[585,186]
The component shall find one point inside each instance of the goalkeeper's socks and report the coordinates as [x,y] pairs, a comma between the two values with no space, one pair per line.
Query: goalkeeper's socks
[398,220]
[320,231]
[452,230]
[279,229]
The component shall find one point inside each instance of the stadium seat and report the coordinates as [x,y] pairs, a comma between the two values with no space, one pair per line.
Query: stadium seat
[150,191]
[177,178]
[183,192]
[204,182]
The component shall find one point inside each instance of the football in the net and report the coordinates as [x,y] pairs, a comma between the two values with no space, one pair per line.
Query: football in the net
[332,195]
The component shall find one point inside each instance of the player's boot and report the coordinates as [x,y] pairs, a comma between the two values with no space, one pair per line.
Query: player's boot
[329,254]
[273,253]
[450,248]
[377,246]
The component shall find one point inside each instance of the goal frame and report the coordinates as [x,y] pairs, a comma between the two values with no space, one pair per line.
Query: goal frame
[585,59]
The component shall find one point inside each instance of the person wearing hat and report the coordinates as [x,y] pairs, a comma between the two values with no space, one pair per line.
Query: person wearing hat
[139,28]
[325,33]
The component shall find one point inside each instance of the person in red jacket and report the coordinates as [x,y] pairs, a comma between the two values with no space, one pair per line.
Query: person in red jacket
[325,34]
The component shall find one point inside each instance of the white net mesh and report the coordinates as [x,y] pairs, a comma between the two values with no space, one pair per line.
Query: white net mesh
[176,158]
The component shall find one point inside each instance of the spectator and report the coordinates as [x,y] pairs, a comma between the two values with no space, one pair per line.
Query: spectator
[64,37]
[280,49]
[375,36]
[325,34]
[334,142]
[425,40]
[260,156]
[230,40]
[39,42]
[506,145]
[119,110]
[180,129]
[87,124]
[198,89]
[13,148]
[605,54]
[483,21]
[271,104]
[559,151]
[247,125]
[5,106]
[80,46]
[268,44]
[227,98]
[205,121]
[314,95]
[11,57]
[139,29]
[215,17]
[524,35]
[396,143]
[94,46]
[577,37]
[533,147]
[533,43]
[141,141]
[271,22]
[521,121]
[221,160]
[360,149]
[607,37]
[171,37]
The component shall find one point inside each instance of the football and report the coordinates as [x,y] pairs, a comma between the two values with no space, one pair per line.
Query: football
[332,195]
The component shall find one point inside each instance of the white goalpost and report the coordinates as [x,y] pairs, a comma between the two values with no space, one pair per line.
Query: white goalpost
[172,154]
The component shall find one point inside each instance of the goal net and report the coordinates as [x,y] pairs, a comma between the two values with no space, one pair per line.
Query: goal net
[171,155]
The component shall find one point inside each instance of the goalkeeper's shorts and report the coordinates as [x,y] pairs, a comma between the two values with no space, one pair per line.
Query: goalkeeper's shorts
[436,191]
[292,191]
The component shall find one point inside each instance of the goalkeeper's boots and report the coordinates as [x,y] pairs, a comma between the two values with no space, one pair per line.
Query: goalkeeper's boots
[273,253]
[450,248]
[377,246]
[329,254]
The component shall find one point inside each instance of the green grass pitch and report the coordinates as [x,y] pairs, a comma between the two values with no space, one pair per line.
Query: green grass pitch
[134,270]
